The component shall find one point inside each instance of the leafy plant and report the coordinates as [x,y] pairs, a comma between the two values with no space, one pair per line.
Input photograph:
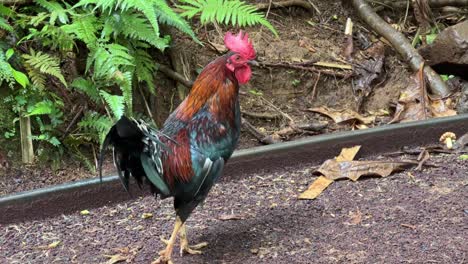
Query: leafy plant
[233,12]
[39,64]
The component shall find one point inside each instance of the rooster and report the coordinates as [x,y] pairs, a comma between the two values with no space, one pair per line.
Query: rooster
[186,157]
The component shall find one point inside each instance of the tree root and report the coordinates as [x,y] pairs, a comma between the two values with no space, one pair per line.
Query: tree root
[432,3]
[401,45]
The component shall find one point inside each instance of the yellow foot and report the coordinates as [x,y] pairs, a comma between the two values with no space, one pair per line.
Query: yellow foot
[164,257]
[193,250]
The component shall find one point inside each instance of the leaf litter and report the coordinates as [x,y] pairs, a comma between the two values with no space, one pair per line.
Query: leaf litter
[415,104]
[345,167]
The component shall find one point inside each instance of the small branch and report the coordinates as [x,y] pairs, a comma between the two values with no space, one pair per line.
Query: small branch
[73,122]
[262,138]
[148,110]
[401,44]
[283,4]
[299,66]
[261,115]
[175,76]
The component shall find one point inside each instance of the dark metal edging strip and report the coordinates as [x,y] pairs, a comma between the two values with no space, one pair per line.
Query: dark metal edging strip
[87,194]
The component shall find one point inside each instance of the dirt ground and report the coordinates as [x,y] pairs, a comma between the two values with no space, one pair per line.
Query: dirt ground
[408,217]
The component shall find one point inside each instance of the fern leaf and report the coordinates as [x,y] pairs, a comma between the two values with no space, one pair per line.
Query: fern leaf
[115,103]
[87,87]
[42,63]
[84,28]
[56,11]
[96,124]
[45,107]
[235,12]
[5,25]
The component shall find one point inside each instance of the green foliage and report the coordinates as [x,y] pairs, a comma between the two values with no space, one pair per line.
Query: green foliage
[5,12]
[234,12]
[38,64]
[115,103]
[94,122]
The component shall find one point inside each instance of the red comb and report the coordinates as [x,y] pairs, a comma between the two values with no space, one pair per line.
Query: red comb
[241,44]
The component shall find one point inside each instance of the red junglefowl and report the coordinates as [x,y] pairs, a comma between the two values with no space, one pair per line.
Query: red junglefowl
[186,157]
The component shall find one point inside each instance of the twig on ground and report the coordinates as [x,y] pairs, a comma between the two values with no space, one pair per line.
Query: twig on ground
[73,122]
[401,44]
[299,3]
[175,76]
[148,110]
[298,66]
[262,138]
[314,89]
[261,115]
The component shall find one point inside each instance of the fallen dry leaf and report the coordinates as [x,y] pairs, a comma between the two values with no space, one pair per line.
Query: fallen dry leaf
[442,107]
[84,212]
[317,187]
[115,258]
[353,170]
[414,104]
[146,215]
[340,116]
[343,166]
[348,154]
[124,254]
[51,245]
[369,70]
[355,217]
[226,217]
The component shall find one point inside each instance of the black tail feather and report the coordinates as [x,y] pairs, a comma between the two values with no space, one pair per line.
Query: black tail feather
[137,151]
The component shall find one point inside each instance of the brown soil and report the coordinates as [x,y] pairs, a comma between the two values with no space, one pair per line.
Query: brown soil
[413,217]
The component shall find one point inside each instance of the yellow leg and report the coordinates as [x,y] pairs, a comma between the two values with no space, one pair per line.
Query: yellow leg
[184,245]
[165,255]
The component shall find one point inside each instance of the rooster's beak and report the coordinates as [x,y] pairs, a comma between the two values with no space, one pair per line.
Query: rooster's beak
[253,63]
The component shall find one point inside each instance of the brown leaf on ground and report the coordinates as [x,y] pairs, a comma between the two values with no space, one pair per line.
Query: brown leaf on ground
[316,188]
[50,246]
[348,154]
[355,217]
[414,104]
[369,70]
[343,166]
[124,254]
[227,217]
[340,116]
[441,108]
[353,170]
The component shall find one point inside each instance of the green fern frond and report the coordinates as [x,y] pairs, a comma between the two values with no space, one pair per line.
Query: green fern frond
[134,26]
[107,59]
[154,11]
[145,68]
[234,12]
[84,28]
[45,107]
[5,25]
[116,103]
[56,10]
[87,87]
[96,124]
[40,63]
[167,16]
[6,73]
[124,80]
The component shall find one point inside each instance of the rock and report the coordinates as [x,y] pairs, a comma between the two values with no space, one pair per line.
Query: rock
[448,54]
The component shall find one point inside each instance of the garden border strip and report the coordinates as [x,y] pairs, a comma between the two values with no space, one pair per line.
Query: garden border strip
[87,194]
